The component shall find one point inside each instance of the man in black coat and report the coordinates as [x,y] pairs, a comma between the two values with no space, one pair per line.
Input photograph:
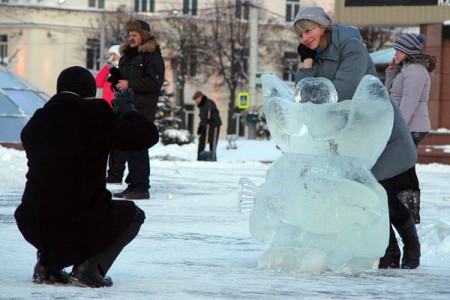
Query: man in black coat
[66,211]
[209,126]
[142,69]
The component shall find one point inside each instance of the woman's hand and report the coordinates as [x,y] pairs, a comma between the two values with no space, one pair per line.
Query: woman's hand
[392,64]
[305,52]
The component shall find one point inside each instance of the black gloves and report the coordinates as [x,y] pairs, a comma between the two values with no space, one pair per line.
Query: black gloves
[123,102]
[114,78]
[305,52]
[200,130]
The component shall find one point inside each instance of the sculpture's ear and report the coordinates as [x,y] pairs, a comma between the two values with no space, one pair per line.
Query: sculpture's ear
[370,88]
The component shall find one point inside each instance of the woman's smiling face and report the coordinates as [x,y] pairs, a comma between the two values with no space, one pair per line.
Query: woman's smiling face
[311,38]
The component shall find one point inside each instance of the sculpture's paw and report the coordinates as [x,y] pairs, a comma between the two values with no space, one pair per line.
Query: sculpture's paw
[246,195]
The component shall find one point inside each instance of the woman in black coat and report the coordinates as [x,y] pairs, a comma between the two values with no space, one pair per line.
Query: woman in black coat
[66,211]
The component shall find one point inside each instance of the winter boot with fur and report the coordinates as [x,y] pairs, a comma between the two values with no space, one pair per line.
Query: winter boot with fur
[411,245]
[411,199]
[391,258]
[87,273]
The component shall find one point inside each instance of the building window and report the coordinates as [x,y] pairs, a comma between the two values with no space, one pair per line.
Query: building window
[192,65]
[290,62]
[96,3]
[144,6]
[190,7]
[93,54]
[242,9]
[3,49]
[292,8]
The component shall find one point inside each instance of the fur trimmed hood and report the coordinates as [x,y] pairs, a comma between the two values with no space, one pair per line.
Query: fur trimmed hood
[428,61]
[149,46]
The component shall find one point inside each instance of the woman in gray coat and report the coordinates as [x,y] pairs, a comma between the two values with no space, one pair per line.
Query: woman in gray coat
[337,53]
[408,80]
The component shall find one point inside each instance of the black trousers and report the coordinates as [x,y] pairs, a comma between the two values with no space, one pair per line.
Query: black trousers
[213,139]
[106,258]
[138,178]
[116,164]
[409,180]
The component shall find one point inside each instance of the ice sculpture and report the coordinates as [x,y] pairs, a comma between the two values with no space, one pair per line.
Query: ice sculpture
[320,207]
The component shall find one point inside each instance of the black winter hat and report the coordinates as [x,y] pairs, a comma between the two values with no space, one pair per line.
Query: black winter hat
[77,80]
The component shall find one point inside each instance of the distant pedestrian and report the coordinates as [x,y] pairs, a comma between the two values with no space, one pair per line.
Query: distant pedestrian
[142,69]
[209,126]
[66,211]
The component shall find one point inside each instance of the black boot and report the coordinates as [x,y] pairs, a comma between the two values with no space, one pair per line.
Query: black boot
[391,258]
[87,273]
[411,199]
[42,275]
[411,245]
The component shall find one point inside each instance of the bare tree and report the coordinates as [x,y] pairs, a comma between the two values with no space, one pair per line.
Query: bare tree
[376,38]
[280,45]
[188,47]
[230,46]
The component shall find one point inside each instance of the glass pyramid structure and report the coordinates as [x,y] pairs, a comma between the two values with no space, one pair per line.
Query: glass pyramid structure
[19,99]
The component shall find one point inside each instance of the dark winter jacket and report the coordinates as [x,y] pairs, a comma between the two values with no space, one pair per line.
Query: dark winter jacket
[206,106]
[66,210]
[344,62]
[144,69]
[409,87]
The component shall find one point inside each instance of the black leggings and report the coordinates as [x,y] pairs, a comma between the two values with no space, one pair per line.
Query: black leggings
[398,213]
[408,179]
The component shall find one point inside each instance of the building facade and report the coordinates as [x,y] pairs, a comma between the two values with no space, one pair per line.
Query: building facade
[39,38]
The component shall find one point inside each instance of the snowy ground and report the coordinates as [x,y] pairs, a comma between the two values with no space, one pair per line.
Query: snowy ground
[196,245]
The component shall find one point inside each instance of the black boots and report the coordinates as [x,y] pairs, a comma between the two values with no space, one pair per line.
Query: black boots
[411,199]
[411,245]
[411,248]
[391,258]
[42,275]
[87,274]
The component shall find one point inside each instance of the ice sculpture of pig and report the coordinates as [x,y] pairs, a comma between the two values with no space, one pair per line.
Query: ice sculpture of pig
[320,207]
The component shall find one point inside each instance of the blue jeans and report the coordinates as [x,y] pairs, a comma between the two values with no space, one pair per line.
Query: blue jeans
[138,178]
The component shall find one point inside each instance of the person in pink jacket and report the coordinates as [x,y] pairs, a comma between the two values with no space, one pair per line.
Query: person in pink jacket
[116,160]
[102,76]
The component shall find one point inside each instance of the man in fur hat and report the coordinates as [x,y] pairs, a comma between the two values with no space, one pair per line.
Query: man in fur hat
[142,69]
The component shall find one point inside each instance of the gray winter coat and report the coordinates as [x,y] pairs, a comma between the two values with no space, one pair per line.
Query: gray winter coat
[409,87]
[400,153]
[344,62]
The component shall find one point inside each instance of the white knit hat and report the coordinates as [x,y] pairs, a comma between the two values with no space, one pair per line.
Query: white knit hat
[114,49]
[315,14]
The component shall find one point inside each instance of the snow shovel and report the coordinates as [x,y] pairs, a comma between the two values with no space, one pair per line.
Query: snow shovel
[207,155]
